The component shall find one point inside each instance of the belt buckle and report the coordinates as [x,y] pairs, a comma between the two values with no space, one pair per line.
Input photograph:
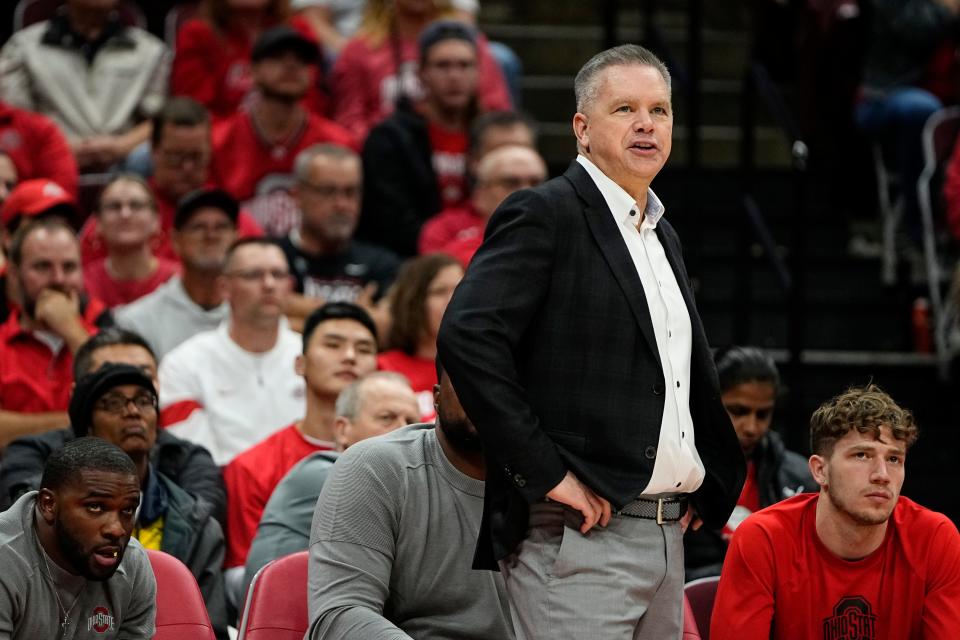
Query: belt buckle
[660,511]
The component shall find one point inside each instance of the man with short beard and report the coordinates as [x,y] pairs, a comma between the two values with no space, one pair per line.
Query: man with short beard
[327,264]
[856,560]
[37,342]
[70,569]
[390,532]
[253,150]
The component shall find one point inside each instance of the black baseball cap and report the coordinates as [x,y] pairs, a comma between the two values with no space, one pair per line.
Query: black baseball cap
[95,385]
[441,30]
[201,198]
[281,39]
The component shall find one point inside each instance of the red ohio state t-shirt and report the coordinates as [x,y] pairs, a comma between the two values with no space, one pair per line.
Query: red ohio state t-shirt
[449,163]
[779,581]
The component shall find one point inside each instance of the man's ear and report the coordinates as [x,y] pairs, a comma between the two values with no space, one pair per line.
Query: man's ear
[340,426]
[47,505]
[299,365]
[818,468]
[436,397]
[580,131]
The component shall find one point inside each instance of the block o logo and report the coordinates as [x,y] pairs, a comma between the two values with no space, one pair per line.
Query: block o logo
[852,619]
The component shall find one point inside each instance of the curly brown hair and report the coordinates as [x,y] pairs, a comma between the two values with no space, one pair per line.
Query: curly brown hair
[865,409]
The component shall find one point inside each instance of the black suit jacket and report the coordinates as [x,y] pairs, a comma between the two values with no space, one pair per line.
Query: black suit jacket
[549,344]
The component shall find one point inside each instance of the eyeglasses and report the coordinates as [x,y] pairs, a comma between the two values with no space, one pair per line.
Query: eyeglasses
[514,183]
[116,206]
[331,191]
[177,159]
[116,403]
[252,275]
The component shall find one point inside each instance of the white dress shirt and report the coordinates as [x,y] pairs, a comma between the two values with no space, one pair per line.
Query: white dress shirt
[678,468]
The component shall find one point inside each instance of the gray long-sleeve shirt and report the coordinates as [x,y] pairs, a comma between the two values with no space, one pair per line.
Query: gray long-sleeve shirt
[392,544]
[123,607]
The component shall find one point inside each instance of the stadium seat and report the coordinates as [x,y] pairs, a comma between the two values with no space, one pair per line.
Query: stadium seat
[276,605]
[939,137]
[699,595]
[181,613]
[691,631]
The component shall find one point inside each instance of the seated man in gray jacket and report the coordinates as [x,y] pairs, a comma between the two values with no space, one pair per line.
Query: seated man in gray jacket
[393,534]
[69,566]
[118,403]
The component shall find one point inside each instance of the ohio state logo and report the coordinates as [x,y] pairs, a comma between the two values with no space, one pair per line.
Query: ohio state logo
[852,619]
[101,621]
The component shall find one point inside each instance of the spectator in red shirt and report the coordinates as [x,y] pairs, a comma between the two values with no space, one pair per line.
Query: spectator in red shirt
[127,220]
[417,301]
[180,149]
[415,160]
[37,342]
[857,559]
[254,150]
[212,57]
[339,347]
[458,231]
[378,67]
[37,147]
[32,199]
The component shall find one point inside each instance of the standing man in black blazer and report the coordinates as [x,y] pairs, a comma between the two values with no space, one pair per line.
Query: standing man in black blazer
[576,349]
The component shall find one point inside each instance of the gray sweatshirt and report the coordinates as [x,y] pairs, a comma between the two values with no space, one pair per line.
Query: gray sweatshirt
[122,607]
[392,544]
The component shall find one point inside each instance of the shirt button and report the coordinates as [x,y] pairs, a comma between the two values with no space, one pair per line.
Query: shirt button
[678,485]
[683,434]
[650,452]
[678,384]
[658,389]
[669,334]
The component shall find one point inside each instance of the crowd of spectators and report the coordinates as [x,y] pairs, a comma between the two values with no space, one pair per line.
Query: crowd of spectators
[230,255]
[210,245]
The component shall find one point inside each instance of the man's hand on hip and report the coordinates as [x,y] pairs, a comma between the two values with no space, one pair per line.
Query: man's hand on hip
[690,519]
[580,497]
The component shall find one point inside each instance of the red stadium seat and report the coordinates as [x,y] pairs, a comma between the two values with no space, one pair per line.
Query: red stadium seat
[690,629]
[276,607]
[181,613]
[700,594]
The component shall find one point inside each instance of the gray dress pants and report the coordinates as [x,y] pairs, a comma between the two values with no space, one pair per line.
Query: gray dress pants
[622,582]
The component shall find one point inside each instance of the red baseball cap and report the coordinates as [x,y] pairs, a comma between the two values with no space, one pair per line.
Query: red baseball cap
[30,198]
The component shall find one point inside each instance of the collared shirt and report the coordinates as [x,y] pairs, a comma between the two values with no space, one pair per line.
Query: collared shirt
[34,375]
[678,468]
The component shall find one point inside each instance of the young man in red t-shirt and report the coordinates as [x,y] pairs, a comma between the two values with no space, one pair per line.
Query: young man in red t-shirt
[339,347]
[253,150]
[856,560]
[415,161]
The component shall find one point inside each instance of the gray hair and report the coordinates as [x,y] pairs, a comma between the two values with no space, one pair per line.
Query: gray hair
[350,399]
[304,159]
[587,83]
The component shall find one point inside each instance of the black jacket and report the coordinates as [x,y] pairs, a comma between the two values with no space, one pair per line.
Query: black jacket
[549,343]
[400,189]
[193,536]
[188,465]
[780,474]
